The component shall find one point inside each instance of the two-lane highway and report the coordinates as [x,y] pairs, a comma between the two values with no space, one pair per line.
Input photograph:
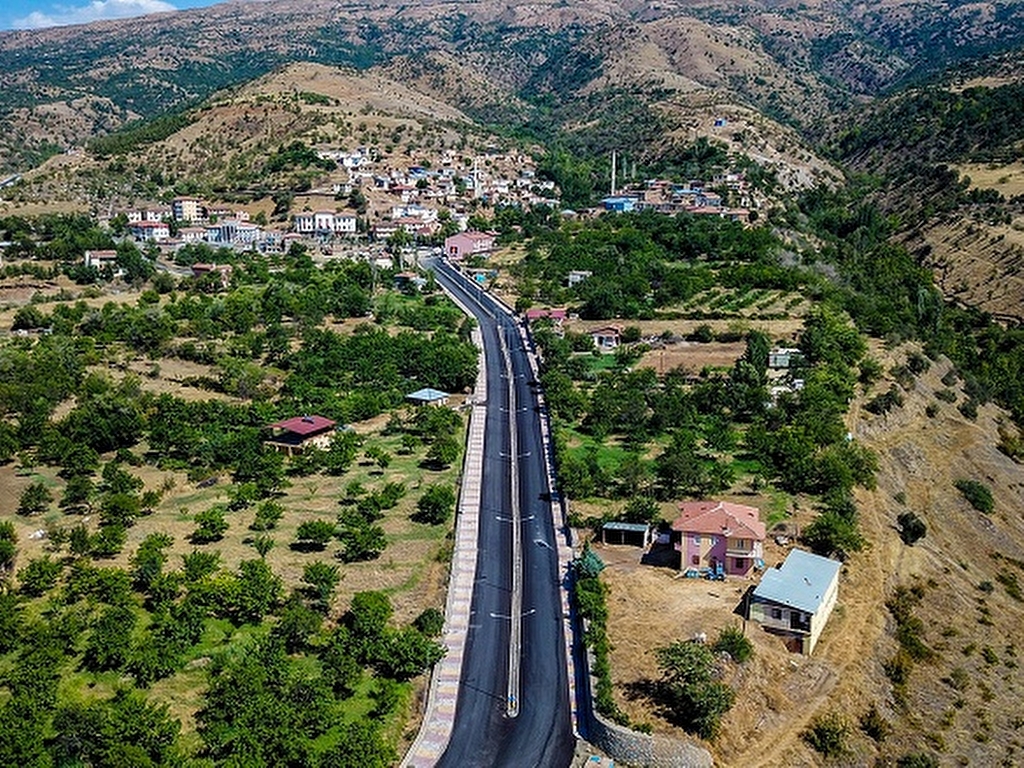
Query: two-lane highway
[494,725]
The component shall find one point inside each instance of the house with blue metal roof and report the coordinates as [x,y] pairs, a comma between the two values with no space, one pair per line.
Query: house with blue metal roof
[795,600]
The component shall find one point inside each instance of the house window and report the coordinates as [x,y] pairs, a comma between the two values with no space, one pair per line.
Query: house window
[695,560]
[696,540]
[738,563]
[777,613]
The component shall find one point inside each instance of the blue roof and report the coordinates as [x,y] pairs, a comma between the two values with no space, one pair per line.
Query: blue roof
[801,582]
[427,394]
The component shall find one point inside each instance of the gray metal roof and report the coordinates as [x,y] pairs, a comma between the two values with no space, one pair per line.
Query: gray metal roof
[800,583]
[615,525]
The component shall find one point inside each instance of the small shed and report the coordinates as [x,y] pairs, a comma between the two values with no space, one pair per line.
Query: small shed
[634,534]
[428,396]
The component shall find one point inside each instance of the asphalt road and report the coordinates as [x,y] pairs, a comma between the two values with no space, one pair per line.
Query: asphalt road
[483,734]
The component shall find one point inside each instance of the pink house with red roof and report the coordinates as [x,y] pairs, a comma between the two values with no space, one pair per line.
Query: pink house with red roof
[294,435]
[720,536]
[470,243]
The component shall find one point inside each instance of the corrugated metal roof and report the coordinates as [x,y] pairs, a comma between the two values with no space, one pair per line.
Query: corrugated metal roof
[800,583]
[427,394]
[615,525]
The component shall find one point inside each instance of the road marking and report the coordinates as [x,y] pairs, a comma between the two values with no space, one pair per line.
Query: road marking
[516,629]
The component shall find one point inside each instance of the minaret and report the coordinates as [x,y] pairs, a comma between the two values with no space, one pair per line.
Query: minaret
[613,173]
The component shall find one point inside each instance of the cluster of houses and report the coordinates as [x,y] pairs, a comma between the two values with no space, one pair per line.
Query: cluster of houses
[195,222]
[695,197]
[721,540]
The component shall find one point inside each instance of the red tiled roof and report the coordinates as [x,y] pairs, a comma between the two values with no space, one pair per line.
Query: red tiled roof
[554,314]
[720,517]
[304,425]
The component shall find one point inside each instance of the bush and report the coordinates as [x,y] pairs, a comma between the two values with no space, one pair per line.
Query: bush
[912,528]
[731,640]
[435,505]
[314,534]
[34,499]
[210,526]
[827,735]
[874,725]
[978,495]
[430,622]
[39,576]
[917,760]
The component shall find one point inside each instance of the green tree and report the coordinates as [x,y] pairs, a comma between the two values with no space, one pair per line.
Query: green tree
[210,525]
[688,691]
[436,505]
[259,591]
[314,534]
[39,576]
[828,735]
[268,514]
[109,642]
[362,542]
[35,499]
[444,451]
[149,559]
[321,580]
[641,509]
[731,640]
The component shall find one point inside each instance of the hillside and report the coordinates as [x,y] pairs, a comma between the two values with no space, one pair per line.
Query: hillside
[794,63]
[946,158]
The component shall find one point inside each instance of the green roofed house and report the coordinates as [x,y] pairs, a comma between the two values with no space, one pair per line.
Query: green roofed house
[795,600]
[428,396]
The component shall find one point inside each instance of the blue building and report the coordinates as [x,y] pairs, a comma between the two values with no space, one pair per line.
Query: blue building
[619,204]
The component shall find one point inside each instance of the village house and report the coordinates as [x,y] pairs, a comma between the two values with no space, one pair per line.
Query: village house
[466,244]
[556,316]
[188,209]
[577,276]
[293,436]
[780,358]
[718,536]
[795,600]
[606,338]
[101,259]
[145,214]
[200,270]
[619,204]
[149,231]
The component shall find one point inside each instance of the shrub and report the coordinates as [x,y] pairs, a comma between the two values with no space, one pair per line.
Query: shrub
[874,725]
[435,505]
[314,534]
[827,735]
[210,525]
[430,622]
[34,499]
[912,528]
[885,402]
[978,495]
[39,576]
[917,760]
[731,640]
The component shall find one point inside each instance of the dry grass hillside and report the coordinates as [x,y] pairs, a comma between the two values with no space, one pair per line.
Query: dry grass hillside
[977,261]
[960,700]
